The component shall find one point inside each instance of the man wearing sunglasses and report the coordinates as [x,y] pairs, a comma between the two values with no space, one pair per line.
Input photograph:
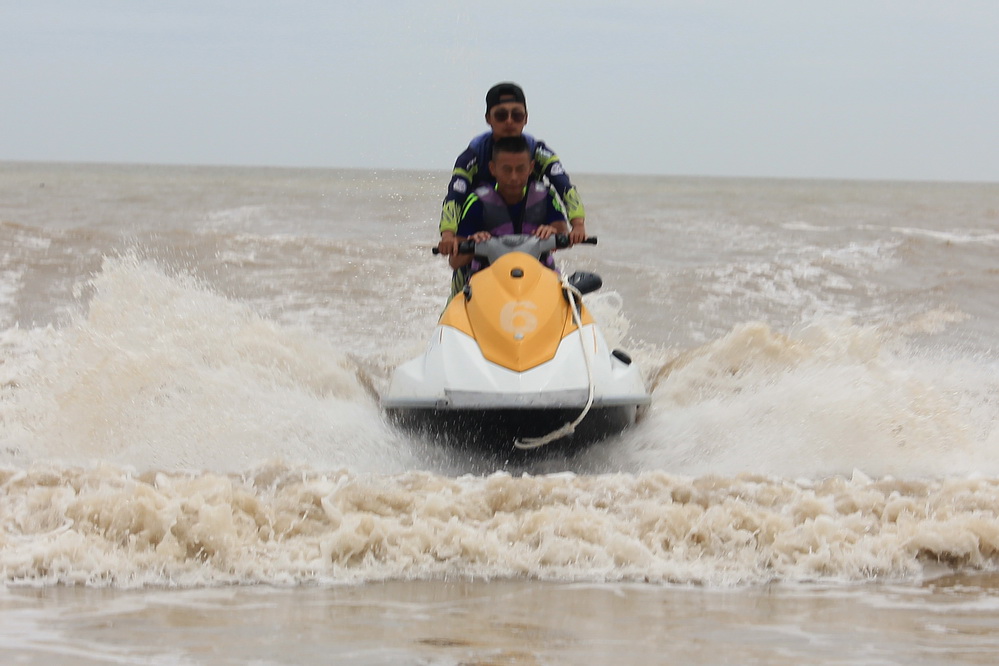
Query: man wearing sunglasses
[506,114]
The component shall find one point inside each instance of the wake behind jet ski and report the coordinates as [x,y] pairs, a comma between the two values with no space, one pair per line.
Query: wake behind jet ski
[517,360]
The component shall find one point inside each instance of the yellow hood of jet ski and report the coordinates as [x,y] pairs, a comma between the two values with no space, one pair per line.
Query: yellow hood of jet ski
[516,311]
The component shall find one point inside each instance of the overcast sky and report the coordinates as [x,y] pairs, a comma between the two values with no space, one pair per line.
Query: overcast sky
[868,89]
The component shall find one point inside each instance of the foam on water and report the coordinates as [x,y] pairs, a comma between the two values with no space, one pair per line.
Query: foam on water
[825,400]
[288,526]
[955,236]
[162,373]
[170,436]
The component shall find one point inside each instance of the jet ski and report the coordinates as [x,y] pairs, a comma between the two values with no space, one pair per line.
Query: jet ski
[517,360]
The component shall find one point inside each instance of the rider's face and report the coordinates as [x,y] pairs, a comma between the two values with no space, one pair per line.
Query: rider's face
[507,119]
[511,171]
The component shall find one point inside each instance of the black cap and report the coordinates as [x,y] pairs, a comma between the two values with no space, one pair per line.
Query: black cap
[504,92]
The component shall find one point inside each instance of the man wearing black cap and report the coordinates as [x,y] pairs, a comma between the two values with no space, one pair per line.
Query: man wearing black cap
[506,114]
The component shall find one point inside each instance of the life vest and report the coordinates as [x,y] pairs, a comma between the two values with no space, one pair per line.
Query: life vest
[496,217]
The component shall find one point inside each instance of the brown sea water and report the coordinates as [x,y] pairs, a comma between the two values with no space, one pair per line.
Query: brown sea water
[194,468]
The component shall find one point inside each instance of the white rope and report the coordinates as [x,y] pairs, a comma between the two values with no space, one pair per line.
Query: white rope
[569,428]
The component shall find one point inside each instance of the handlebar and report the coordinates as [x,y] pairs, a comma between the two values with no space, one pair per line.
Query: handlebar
[561,242]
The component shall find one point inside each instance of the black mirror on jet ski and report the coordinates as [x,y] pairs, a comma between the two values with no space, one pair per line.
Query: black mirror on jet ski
[585,282]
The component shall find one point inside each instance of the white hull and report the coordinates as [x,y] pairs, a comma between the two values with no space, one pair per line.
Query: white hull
[452,390]
[453,374]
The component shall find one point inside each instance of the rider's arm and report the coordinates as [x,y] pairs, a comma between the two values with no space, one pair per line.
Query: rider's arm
[458,260]
[458,189]
[548,164]
[555,215]
[469,226]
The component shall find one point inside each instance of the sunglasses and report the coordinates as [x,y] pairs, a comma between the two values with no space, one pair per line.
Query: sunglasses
[500,115]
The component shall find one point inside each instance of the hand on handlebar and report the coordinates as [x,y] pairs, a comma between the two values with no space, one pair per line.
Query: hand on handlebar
[578,233]
[448,244]
[545,231]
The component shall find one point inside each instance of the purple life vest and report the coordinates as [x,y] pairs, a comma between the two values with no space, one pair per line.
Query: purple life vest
[496,214]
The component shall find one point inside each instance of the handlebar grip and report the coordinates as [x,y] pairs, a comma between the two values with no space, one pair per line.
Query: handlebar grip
[562,241]
[464,247]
